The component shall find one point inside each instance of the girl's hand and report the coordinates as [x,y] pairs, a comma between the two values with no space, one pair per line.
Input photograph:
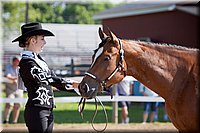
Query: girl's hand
[75,84]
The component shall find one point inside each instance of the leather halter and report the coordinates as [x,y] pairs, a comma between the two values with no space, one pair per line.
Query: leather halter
[104,86]
[103,83]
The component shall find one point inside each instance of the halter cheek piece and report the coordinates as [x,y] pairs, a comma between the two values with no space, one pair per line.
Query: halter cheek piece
[103,83]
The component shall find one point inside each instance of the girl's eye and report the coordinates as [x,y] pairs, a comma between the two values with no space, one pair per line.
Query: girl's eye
[107,58]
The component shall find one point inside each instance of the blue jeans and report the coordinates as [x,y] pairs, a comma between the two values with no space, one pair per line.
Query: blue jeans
[150,105]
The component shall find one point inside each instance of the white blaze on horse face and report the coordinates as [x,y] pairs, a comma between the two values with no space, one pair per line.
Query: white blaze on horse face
[98,53]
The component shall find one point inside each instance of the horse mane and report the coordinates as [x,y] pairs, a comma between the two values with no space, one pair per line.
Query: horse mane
[164,45]
[152,44]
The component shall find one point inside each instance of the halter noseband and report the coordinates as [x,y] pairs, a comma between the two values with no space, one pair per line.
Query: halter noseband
[103,83]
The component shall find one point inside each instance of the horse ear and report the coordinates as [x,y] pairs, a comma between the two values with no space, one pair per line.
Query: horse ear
[102,34]
[113,37]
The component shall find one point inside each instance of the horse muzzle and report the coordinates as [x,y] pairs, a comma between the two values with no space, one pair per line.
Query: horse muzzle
[86,91]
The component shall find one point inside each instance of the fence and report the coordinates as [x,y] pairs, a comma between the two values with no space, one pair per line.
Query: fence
[115,100]
[102,98]
[72,69]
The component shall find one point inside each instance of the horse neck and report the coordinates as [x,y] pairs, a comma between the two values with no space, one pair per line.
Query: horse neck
[154,65]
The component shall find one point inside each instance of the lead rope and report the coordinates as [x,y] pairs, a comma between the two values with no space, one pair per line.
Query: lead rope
[81,108]
[95,113]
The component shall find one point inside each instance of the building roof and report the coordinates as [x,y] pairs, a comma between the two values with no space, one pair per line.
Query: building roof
[139,9]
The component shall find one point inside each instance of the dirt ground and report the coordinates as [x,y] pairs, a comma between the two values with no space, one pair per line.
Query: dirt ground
[132,127]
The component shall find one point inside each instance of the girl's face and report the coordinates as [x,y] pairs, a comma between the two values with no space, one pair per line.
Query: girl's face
[39,44]
[35,43]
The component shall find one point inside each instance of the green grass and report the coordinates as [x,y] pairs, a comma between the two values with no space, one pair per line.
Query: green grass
[68,112]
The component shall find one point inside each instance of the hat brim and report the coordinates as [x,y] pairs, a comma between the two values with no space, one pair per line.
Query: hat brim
[32,33]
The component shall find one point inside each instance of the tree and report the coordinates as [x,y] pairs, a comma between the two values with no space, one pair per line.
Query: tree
[55,12]
[46,12]
[76,13]
[12,16]
[83,13]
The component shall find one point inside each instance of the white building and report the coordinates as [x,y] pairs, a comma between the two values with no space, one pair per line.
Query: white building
[75,41]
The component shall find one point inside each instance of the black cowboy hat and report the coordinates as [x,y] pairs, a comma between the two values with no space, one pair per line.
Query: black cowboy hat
[31,29]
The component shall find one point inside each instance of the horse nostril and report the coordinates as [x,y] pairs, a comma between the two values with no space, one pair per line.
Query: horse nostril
[86,91]
[86,87]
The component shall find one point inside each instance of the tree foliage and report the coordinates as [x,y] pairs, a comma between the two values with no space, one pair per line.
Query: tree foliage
[46,12]
[54,12]
[14,13]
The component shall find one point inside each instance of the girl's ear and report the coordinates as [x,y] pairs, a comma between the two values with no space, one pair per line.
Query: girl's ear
[33,39]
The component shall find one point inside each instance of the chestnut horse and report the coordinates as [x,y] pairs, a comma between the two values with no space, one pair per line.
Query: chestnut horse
[170,71]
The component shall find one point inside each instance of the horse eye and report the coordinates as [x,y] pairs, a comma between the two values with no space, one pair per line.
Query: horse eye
[107,58]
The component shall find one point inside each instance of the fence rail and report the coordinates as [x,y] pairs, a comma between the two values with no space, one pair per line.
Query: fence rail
[102,98]
[115,100]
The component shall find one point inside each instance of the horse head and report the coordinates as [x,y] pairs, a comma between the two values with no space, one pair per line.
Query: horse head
[108,66]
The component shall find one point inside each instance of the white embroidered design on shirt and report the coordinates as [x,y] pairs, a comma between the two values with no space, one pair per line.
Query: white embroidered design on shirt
[42,76]
[43,96]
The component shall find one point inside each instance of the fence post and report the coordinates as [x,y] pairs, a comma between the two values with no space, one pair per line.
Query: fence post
[115,106]
[72,67]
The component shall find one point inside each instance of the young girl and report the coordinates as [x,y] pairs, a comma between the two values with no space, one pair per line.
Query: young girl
[38,79]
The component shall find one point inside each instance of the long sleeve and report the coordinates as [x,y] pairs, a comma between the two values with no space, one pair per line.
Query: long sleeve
[40,76]
[60,83]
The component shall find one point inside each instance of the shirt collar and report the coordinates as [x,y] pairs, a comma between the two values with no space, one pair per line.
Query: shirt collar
[29,54]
